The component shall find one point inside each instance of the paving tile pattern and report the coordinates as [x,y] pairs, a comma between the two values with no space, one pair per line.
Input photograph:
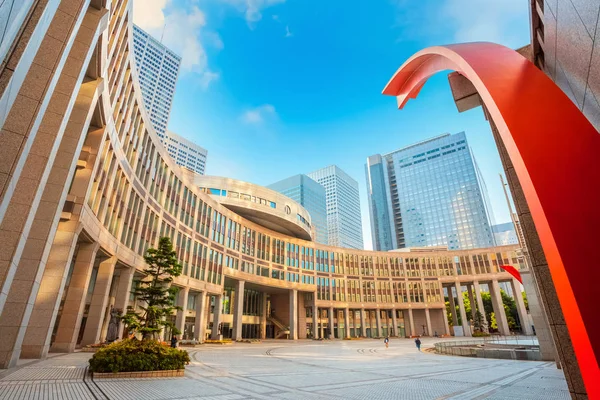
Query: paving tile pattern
[298,370]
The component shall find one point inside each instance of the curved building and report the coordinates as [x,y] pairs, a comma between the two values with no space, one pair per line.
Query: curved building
[86,188]
[263,206]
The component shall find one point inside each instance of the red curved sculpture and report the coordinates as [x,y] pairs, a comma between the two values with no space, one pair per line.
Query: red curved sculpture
[556,154]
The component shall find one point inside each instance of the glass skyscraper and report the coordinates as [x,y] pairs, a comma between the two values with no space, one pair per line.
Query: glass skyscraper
[311,196]
[380,210]
[343,207]
[433,195]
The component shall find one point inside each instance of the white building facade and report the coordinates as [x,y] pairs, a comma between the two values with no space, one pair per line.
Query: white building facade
[157,68]
[186,153]
[344,222]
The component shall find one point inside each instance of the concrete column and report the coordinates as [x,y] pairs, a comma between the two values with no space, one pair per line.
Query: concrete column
[539,316]
[74,304]
[315,322]
[321,327]
[480,308]
[331,322]
[263,317]
[363,327]
[123,294]
[499,312]
[200,320]
[521,310]
[294,314]
[428,322]
[36,342]
[378,322]
[411,322]
[238,310]
[461,307]
[452,306]
[97,310]
[182,301]
[215,334]
[347,322]
[472,302]
[446,324]
[394,331]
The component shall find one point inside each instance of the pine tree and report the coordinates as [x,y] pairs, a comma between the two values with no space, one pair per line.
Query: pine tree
[156,293]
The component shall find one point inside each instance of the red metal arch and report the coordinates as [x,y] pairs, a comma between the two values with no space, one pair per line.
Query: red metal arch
[556,154]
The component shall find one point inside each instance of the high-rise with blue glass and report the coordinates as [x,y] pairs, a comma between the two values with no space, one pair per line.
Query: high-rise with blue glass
[428,194]
[344,222]
[311,196]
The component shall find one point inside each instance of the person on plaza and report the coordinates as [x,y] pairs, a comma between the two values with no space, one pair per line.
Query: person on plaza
[387,342]
[174,341]
[418,343]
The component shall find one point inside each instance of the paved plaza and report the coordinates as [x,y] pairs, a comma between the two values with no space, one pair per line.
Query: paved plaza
[361,369]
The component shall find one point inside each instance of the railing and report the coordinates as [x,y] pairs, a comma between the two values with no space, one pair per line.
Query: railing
[503,347]
[518,340]
[277,322]
[283,328]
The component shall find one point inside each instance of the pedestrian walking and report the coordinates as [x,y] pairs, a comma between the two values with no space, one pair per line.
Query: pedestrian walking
[174,341]
[418,343]
[387,342]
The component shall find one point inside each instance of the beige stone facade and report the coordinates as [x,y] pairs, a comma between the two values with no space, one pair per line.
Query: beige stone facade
[87,188]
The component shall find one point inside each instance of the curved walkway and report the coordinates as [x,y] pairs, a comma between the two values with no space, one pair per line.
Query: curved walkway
[362,369]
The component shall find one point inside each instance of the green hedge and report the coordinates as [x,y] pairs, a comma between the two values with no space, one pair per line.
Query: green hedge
[132,355]
[480,334]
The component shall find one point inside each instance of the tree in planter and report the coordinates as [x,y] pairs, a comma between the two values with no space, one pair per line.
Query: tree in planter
[156,293]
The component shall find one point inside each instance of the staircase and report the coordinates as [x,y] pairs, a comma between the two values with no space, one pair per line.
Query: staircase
[283,328]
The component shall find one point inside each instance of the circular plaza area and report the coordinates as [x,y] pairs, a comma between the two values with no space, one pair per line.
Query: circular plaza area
[305,369]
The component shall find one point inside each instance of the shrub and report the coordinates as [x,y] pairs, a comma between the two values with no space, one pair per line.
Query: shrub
[480,334]
[132,355]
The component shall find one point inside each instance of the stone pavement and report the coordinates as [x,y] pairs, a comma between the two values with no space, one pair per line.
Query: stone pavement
[362,369]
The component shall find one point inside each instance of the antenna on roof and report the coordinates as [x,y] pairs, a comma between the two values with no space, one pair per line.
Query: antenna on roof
[163,32]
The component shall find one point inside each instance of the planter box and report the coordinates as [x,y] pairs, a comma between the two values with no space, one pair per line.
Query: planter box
[140,374]
[89,349]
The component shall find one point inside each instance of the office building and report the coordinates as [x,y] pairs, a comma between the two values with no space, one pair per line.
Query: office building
[157,68]
[186,153]
[428,194]
[89,197]
[383,231]
[311,196]
[505,234]
[344,224]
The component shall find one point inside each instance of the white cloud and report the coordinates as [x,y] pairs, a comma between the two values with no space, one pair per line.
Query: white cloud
[180,29]
[207,77]
[148,14]
[258,114]
[486,20]
[287,32]
[252,9]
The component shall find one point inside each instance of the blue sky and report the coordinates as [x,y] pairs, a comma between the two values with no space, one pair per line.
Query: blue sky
[273,88]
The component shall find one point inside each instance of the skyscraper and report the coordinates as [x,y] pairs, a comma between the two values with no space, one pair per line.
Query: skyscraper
[185,153]
[380,210]
[343,207]
[432,195]
[505,234]
[157,69]
[311,196]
